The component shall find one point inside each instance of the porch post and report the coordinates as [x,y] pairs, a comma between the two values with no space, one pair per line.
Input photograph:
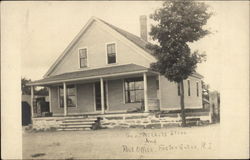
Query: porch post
[145,91]
[49,99]
[102,95]
[32,101]
[65,98]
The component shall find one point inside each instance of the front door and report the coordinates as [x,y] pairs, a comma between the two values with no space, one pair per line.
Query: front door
[98,96]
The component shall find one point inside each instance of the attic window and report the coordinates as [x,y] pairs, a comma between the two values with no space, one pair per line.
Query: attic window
[111,53]
[83,57]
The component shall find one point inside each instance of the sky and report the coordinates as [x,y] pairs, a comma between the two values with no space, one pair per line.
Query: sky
[46,28]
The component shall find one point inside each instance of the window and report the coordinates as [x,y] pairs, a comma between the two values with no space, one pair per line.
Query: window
[83,57]
[134,90]
[157,84]
[179,89]
[189,93]
[111,53]
[71,96]
[197,88]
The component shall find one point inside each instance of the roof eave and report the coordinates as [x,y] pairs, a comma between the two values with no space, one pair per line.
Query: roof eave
[87,78]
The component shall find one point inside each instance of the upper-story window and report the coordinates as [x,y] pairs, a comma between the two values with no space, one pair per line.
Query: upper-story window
[83,57]
[111,53]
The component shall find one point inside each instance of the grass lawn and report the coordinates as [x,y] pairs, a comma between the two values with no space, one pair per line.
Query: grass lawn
[194,142]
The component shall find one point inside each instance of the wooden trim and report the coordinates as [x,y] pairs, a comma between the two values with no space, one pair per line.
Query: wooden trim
[117,111]
[66,92]
[179,108]
[94,97]
[111,31]
[79,62]
[76,94]
[65,98]
[89,78]
[106,53]
[145,92]
[197,88]
[58,96]
[127,42]
[123,91]
[50,100]
[32,101]
[72,43]
[107,95]
[102,95]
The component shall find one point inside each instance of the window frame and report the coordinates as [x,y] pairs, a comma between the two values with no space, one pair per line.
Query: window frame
[126,99]
[106,51]
[189,87]
[59,96]
[79,58]
[197,88]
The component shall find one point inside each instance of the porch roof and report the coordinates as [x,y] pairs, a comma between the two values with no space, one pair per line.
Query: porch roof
[92,73]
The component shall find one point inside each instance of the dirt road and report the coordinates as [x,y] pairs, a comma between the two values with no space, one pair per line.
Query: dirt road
[194,142]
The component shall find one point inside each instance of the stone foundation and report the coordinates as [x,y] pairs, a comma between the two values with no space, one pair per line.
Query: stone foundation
[46,123]
[150,121]
[133,120]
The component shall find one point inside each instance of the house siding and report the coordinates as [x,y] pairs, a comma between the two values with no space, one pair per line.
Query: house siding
[95,40]
[85,98]
[54,101]
[170,98]
[116,101]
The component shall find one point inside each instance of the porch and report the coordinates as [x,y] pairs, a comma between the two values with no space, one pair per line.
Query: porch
[118,89]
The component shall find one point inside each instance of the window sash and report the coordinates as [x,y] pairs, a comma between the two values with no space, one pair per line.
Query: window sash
[83,53]
[83,57]
[83,62]
[111,53]
[134,90]
[70,96]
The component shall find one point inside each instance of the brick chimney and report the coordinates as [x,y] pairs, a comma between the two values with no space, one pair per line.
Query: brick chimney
[143,27]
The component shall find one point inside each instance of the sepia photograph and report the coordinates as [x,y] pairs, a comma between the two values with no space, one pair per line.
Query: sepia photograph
[125,79]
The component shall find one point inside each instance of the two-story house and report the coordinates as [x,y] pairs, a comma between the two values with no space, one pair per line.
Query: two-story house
[105,70]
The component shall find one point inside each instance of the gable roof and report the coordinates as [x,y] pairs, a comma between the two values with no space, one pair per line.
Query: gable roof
[91,74]
[133,38]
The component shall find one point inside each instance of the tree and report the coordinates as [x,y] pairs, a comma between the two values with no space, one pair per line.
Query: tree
[24,87]
[179,22]
[26,90]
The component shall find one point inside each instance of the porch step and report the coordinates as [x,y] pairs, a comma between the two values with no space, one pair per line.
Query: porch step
[76,126]
[80,123]
[76,123]
[73,129]
[80,120]
[193,121]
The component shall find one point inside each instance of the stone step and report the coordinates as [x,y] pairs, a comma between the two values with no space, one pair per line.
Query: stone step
[73,129]
[76,123]
[80,120]
[76,126]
